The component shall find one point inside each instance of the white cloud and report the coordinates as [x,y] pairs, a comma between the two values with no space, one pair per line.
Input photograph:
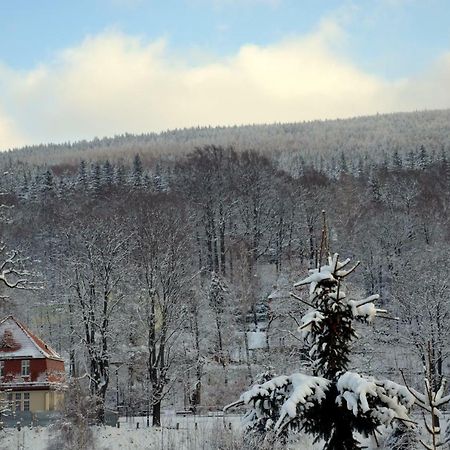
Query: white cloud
[9,135]
[114,83]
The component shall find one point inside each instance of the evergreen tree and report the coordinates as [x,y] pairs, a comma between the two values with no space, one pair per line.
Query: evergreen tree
[411,160]
[136,174]
[48,185]
[157,178]
[95,182]
[160,182]
[62,188]
[82,175]
[397,162]
[107,174]
[34,191]
[423,159]
[333,403]
[147,182]
[120,175]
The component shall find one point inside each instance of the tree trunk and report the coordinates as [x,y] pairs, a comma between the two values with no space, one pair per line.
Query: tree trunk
[196,395]
[222,226]
[156,413]
[247,358]
[312,250]
[100,410]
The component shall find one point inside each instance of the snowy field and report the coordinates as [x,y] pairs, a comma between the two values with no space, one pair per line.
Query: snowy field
[210,433]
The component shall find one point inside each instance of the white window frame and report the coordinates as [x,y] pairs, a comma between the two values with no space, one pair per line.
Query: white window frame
[18,401]
[26,401]
[25,367]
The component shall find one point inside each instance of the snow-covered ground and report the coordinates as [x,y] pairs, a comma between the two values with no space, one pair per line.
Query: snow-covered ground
[210,433]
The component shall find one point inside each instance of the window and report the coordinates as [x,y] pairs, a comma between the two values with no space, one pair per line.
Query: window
[26,401]
[2,368]
[18,397]
[25,367]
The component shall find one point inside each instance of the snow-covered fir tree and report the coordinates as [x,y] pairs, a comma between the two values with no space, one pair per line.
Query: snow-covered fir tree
[107,174]
[82,178]
[333,404]
[137,172]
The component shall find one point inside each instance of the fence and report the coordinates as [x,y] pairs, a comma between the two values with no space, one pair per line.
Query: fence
[45,418]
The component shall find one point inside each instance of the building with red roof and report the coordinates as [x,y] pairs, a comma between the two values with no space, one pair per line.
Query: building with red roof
[32,375]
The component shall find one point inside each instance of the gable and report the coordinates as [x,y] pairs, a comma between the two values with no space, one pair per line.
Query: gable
[18,342]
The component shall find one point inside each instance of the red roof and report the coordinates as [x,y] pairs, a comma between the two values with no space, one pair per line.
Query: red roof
[16,340]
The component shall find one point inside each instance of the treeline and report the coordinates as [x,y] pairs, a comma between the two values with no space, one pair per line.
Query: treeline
[376,137]
[34,182]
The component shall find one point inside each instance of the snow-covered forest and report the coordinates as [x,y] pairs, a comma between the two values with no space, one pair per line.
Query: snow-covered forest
[162,265]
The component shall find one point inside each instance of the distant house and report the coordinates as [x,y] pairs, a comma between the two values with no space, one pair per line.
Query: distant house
[31,373]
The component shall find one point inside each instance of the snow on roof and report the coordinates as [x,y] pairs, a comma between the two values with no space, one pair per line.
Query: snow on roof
[17,341]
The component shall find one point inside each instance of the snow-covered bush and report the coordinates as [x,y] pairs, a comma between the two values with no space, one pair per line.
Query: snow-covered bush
[332,404]
[73,431]
[401,438]
[432,402]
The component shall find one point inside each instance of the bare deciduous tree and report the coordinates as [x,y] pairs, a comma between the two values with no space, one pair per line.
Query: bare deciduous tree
[98,258]
[164,276]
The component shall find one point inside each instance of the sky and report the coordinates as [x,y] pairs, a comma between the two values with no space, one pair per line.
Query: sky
[92,68]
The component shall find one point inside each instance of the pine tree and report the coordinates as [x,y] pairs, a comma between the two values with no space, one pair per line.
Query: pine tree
[47,187]
[34,191]
[333,403]
[62,188]
[120,176]
[411,160]
[107,174]
[95,179]
[397,162]
[157,178]
[82,175]
[136,174]
[423,159]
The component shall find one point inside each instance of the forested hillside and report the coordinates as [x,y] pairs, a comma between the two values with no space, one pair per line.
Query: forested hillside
[374,137]
[165,270]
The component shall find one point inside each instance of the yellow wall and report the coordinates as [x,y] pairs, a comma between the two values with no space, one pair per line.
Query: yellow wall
[39,400]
